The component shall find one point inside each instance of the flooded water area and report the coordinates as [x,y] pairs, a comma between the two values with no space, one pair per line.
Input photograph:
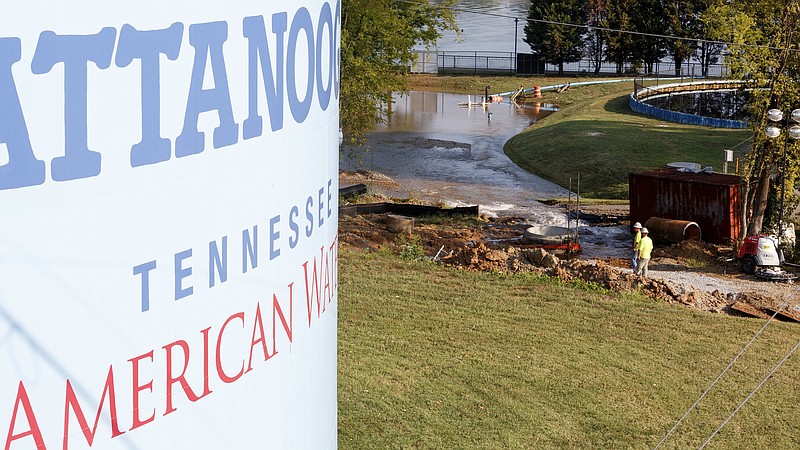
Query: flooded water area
[438,147]
[723,104]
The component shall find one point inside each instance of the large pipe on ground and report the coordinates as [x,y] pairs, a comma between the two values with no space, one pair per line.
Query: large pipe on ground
[672,230]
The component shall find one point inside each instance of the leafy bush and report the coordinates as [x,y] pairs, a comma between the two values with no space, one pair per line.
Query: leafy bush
[410,247]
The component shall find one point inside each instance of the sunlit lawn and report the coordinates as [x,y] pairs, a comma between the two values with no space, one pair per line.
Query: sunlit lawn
[432,357]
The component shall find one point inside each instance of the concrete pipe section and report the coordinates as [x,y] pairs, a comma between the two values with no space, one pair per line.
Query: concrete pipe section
[672,230]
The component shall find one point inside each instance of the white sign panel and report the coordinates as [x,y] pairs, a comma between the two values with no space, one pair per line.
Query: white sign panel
[168,223]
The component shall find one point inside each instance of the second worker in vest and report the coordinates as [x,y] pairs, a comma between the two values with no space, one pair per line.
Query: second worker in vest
[645,250]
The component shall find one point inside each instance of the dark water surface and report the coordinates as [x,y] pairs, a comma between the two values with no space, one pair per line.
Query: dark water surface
[718,104]
[488,26]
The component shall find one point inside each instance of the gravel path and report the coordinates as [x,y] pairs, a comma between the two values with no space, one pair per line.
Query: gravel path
[726,284]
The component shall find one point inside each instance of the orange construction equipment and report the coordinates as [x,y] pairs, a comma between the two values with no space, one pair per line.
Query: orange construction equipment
[537,92]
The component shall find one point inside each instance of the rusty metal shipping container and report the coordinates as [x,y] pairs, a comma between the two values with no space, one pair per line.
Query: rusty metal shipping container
[712,200]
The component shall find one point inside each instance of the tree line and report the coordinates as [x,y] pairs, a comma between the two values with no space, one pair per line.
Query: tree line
[623,32]
[761,41]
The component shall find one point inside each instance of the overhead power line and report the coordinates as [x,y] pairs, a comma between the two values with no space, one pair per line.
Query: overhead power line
[725,370]
[764,380]
[591,27]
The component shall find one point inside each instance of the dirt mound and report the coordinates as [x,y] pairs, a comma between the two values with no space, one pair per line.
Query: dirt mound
[694,250]
[603,274]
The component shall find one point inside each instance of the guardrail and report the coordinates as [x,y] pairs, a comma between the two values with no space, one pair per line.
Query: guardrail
[641,91]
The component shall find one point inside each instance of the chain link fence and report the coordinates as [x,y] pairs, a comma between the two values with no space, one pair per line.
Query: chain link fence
[482,62]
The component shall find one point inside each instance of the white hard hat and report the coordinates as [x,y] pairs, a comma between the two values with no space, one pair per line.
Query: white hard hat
[644,231]
[637,225]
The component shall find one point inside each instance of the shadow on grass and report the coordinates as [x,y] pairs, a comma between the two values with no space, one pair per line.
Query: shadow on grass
[621,105]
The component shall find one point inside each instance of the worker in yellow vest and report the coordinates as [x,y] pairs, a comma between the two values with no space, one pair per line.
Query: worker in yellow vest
[637,237]
[645,249]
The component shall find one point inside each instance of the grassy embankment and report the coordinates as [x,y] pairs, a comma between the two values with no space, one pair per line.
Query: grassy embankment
[432,357]
[597,136]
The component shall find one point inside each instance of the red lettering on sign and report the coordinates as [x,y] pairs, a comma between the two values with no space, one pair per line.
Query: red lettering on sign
[258,327]
[278,312]
[137,388]
[180,378]
[33,430]
[222,376]
[321,284]
[71,402]
[206,386]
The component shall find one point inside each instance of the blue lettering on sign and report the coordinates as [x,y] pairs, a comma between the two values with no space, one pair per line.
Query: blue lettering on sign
[300,108]
[207,39]
[293,225]
[249,248]
[335,62]
[320,206]
[325,21]
[274,235]
[216,262]
[144,271]
[185,278]
[148,46]
[75,52]
[256,36]
[181,273]
[309,216]
[279,77]
[22,168]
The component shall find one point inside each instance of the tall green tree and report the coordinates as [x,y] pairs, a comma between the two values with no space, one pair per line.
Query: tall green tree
[549,34]
[595,38]
[765,52]
[683,21]
[708,52]
[649,47]
[376,48]
[619,16]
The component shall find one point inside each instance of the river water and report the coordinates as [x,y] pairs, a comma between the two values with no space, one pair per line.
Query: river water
[438,149]
[488,25]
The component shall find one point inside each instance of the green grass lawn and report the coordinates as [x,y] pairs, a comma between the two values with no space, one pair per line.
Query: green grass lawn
[597,137]
[433,357]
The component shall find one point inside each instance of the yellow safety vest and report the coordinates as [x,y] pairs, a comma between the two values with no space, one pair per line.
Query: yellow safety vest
[645,247]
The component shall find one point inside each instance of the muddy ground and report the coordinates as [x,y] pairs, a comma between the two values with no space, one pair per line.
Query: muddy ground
[692,273]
